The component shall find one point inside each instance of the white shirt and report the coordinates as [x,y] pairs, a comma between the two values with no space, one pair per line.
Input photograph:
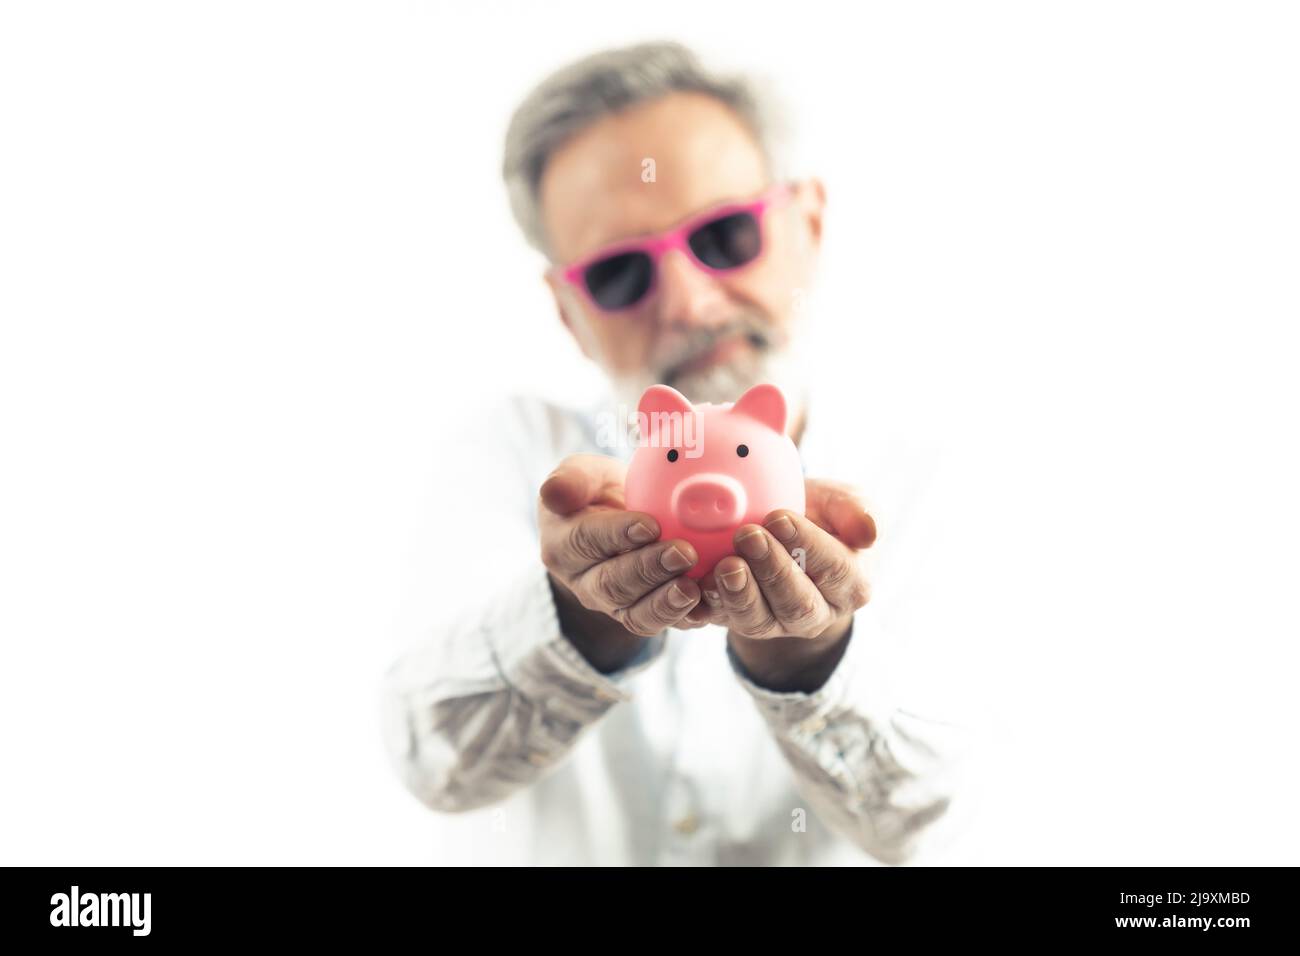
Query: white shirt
[497,720]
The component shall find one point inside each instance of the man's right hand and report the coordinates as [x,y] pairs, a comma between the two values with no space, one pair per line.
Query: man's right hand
[614,581]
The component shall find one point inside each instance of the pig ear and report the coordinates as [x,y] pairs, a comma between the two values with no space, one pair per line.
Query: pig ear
[662,398]
[766,403]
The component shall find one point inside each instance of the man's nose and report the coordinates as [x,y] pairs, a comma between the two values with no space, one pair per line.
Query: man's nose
[688,295]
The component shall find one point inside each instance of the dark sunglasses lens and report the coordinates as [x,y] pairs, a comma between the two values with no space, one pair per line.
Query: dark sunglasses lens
[619,281]
[727,242]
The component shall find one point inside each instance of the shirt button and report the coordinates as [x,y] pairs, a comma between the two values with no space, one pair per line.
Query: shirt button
[537,758]
[813,725]
[687,824]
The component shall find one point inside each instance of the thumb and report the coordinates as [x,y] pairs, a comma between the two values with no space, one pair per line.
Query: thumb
[839,509]
[583,480]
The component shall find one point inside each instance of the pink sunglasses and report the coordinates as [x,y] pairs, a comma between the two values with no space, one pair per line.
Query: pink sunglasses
[720,239]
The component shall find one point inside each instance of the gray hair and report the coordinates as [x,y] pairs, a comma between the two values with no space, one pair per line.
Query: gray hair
[576,96]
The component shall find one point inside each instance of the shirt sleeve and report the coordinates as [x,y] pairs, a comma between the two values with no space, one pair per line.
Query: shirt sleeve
[487,700]
[497,700]
[886,776]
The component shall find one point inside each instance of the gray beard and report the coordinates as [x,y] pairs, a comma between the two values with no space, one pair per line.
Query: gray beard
[782,363]
[782,366]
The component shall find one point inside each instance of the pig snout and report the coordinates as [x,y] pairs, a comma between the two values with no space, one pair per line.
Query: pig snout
[709,502]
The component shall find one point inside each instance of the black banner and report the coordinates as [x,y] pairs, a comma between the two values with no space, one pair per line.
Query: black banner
[1221,906]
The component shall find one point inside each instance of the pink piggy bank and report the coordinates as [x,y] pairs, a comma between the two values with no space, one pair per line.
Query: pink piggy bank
[704,470]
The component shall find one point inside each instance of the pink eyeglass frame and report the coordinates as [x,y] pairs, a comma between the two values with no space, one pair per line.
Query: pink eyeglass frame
[658,244]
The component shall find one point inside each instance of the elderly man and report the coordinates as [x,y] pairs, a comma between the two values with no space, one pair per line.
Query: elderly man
[622,711]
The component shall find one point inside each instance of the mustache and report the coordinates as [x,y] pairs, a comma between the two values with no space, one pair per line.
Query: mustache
[700,342]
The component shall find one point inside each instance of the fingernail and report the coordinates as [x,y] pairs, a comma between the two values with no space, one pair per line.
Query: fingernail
[753,545]
[640,534]
[677,597]
[713,598]
[782,529]
[674,561]
[735,581]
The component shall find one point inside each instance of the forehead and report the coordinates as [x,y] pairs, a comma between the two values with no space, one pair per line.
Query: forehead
[592,191]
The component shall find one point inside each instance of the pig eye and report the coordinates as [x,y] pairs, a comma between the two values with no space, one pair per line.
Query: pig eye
[672,454]
[742,450]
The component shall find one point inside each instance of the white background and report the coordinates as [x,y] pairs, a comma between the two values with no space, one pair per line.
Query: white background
[255,258]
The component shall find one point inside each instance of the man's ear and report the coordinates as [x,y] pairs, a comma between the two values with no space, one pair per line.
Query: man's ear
[812,208]
[558,292]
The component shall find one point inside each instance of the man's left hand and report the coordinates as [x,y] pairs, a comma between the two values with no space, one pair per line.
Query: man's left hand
[788,595]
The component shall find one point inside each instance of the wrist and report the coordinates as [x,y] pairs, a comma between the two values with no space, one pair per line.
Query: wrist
[786,664]
[604,643]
